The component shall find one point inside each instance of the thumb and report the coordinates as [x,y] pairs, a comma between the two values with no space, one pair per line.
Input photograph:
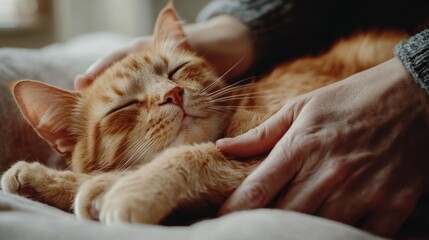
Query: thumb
[260,139]
[82,81]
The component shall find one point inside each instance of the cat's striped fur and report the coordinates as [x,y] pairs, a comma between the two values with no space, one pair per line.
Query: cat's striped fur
[139,140]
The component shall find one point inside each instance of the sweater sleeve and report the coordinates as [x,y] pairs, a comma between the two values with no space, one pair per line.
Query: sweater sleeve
[270,23]
[282,29]
[414,54]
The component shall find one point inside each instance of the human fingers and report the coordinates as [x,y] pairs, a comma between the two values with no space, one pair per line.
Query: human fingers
[86,79]
[347,210]
[262,185]
[98,67]
[312,186]
[380,209]
[388,218]
[260,139]
[82,81]
[385,223]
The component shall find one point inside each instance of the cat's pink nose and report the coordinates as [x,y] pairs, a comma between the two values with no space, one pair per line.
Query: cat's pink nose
[174,96]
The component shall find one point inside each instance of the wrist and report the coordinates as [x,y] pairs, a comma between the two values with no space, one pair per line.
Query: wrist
[223,41]
[421,123]
[413,87]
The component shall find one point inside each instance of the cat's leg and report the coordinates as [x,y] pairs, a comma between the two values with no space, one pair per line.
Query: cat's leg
[38,182]
[90,196]
[181,177]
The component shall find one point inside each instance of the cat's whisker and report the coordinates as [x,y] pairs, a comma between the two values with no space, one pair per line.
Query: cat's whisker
[235,91]
[218,110]
[219,79]
[243,96]
[138,153]
[180,42]
[228,109]
[232,86]
[153,145]
[134,145]
[236,107]
[129,160]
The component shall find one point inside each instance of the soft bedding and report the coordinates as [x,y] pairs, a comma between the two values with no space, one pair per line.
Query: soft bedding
[22,218]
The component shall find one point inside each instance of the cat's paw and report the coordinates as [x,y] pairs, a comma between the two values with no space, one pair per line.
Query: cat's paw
[123,209]
[25,179]
[128,202]
[35,181]
[90,197]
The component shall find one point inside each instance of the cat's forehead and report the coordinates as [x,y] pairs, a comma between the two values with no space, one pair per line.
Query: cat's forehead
[143,65]
[138,73]
[165,54]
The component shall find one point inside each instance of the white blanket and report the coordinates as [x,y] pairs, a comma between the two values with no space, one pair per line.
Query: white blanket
[21,218]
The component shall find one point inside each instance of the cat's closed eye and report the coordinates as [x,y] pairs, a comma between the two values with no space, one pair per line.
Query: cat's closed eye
[125,105]
[176,69]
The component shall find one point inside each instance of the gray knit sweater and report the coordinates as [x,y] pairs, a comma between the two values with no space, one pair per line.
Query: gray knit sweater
[285,28]
[414,54]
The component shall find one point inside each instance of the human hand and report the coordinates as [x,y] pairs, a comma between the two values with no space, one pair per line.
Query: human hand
[84,80]
[223,41]
[355,152]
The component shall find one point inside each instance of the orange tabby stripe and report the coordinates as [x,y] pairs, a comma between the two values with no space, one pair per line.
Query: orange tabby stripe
[94,165]
[122,121]
[133,64]
[122,75]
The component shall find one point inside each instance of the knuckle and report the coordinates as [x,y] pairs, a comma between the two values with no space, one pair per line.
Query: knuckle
[256,194]
[338,171]
[259,133]
[404,202]
[375,200]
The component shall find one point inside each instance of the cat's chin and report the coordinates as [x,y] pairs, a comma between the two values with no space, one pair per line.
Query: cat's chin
[187,121]
[190,132]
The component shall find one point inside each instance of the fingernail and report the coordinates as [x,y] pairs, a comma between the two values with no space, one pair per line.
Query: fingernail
[226,209]
[78,81]
[231,206]
[221,142]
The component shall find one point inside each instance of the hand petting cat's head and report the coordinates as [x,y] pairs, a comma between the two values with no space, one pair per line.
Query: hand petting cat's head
[161,97]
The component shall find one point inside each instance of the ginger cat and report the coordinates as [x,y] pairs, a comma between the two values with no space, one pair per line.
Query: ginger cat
[139,140]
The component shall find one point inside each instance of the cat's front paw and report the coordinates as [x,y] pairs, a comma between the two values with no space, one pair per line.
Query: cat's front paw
[35,181]
[128,202]
[90,197]
[25,179]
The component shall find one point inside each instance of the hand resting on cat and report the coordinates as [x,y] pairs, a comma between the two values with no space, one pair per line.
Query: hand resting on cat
[362,162]
[139,140]
[223,41]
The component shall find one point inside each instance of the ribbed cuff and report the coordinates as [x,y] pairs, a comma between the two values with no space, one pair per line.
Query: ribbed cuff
[414,54]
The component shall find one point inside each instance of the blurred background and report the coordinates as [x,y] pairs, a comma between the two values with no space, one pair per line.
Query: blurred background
[36,23]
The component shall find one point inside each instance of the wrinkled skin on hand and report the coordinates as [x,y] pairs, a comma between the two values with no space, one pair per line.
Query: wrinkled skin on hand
[355,152]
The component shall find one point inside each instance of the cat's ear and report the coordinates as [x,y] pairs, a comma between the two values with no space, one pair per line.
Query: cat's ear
[169,28]
[48,110]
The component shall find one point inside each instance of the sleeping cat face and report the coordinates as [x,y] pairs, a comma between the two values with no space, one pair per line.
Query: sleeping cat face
[161,97]
[145,103]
